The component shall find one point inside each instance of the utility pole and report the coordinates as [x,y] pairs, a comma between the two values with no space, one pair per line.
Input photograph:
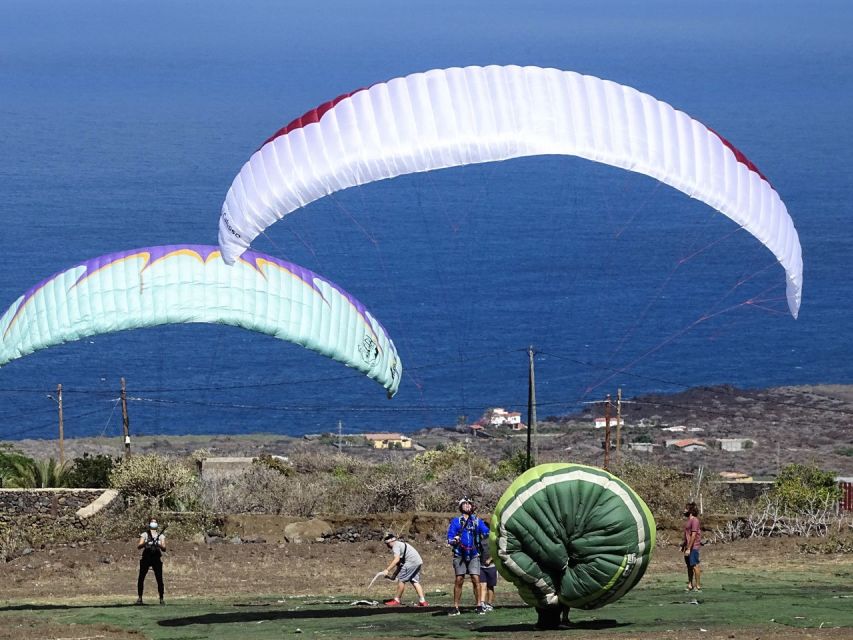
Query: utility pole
[531,408]
[607,432]
[340,432]
[61,428]
[619,425]
[125,419]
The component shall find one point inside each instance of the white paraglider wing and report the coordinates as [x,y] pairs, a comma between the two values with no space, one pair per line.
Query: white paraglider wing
[451,117]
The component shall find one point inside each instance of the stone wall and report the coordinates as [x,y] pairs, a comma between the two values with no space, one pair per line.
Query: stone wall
[33,507]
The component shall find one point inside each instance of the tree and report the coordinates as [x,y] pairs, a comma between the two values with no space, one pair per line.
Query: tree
[37,474]
[8,458]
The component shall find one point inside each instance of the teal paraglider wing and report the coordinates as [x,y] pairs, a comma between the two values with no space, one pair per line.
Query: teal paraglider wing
[190,283]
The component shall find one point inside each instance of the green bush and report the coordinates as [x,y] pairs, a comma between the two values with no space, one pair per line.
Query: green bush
[511,465]
[801,488]
[91,472]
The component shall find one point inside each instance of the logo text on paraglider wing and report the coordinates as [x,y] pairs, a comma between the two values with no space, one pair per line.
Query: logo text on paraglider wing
[227,224]
[369,350]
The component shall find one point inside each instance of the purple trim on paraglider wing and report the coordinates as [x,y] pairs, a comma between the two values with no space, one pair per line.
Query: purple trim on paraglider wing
[91,267]
[307,276]
[204,253]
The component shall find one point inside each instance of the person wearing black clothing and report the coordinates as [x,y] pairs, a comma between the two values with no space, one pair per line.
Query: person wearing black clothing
[153,544]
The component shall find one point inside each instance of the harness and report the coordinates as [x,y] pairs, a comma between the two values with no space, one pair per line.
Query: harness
[152,548]
[474,528]
[401,562]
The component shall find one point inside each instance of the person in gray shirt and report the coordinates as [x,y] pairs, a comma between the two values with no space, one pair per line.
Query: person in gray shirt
[405,567]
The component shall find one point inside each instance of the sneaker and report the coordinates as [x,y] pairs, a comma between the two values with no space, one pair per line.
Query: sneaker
[392,603]
[138,601]
[453,612]
[422,604]
[481,611]
[488,607]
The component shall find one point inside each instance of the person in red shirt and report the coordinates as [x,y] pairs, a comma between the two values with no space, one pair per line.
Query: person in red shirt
[690,547]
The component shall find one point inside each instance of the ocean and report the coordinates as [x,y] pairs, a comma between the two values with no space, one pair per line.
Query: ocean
[122,127]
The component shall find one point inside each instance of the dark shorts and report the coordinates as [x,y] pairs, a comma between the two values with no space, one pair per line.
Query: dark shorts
[693,559]
[489,576]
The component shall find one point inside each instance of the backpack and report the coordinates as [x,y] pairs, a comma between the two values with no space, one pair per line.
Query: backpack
[478,542]
[152,548]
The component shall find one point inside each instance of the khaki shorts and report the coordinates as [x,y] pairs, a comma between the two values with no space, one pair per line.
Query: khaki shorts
[410,574]
[464,567]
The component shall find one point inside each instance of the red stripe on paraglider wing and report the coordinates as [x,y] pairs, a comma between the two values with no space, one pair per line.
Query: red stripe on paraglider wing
[310,117]
[740,157]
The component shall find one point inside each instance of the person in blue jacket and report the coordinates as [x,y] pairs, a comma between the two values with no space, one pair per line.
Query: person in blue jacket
[466,535]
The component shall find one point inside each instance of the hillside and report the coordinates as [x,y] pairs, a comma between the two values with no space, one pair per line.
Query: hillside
[806,424]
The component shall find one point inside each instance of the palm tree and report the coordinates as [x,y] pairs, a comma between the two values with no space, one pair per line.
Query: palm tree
[37,474]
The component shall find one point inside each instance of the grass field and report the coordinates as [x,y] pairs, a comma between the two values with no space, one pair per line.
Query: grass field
[733,604]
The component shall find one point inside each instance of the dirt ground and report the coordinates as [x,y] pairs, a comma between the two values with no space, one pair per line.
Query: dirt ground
[90,572]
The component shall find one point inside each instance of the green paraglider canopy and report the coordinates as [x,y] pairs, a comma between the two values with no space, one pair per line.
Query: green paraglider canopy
[570,535]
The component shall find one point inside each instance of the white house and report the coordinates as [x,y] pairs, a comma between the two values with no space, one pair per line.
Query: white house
[600,423]
[499,417]
[643,447]
[735,444]
[676,429]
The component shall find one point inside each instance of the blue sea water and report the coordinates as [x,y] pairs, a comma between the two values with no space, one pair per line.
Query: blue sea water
[122,126]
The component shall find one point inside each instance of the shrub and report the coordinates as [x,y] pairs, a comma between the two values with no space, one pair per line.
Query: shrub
[92,472]
[800,488]
[665,490]
[12,543]
[394,493]
[274,463]
[511,465]
[157,481]
[261,489]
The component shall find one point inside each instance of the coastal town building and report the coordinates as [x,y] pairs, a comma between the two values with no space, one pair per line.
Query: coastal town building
[223,467]
[388,440]
[734,444]
[601,422]
[642,447]
[735,476]
[688,444]
[499,417]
